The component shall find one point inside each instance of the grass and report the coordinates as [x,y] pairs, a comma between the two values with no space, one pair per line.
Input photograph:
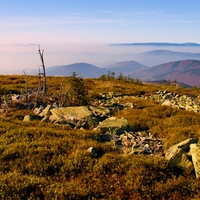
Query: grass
[45,161]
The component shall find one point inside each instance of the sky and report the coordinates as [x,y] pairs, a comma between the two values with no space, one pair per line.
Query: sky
[75,26]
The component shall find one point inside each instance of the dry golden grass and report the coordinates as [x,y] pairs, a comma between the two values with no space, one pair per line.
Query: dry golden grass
[44,161]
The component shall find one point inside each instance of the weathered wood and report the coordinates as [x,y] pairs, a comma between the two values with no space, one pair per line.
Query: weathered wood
[43,67]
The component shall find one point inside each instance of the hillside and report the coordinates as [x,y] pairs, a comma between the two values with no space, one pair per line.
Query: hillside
[51,149]
[126,67]
[186,71]
[83,69]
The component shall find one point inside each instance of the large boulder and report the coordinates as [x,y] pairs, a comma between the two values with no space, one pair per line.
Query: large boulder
[195,152]
[113,125]
[71,115]
[177,155]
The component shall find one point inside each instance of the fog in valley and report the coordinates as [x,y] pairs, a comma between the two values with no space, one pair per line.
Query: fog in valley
[16,58]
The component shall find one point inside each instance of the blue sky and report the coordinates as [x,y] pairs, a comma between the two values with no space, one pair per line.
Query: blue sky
[66,28]
[99,21]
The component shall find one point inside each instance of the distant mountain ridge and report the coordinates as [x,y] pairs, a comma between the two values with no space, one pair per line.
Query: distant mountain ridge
[156,57]
[187,44]
[183,67]
[90,71]
[185,71]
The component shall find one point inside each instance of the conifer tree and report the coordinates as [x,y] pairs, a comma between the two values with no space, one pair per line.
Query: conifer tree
[78,92]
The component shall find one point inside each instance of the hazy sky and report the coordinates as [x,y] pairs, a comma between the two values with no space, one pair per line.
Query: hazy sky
[65,22]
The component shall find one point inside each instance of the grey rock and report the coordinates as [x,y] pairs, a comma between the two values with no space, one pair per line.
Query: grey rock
[71,115]
[29,118]
[100,111]
[45,119]
[167,103]
[178,158]
[37,111]
[113,125]
[177,155]
[195,152]
[46,111]
[185,145]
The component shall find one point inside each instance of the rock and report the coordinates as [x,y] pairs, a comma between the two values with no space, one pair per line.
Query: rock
[177,155]
[45,119]
[147,149]
[106,137]
[92,151]
[29,118]
[98,138]
[46,111]
[73,115]
[37,111]
[100,111]
[15,97]
[195,152]
[90,122]
[185,145]
[167,103]
[113,125]
[178,158]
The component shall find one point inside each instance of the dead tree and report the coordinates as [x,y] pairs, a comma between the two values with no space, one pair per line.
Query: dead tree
[43,67]
[39,84]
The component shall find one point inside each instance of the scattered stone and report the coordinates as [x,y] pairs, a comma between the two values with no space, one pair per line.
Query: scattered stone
[167,103]
[92,151]
[29,118]
[37,111]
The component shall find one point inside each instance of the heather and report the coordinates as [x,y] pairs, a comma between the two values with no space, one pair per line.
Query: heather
[50,161]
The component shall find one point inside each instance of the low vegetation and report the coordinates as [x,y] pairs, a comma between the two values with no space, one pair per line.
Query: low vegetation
[47,161]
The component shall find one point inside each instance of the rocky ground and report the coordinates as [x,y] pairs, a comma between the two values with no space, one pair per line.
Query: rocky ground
[98,116]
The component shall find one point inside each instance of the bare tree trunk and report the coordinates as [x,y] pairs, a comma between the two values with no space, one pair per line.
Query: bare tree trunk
[39,85]
[44,72]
